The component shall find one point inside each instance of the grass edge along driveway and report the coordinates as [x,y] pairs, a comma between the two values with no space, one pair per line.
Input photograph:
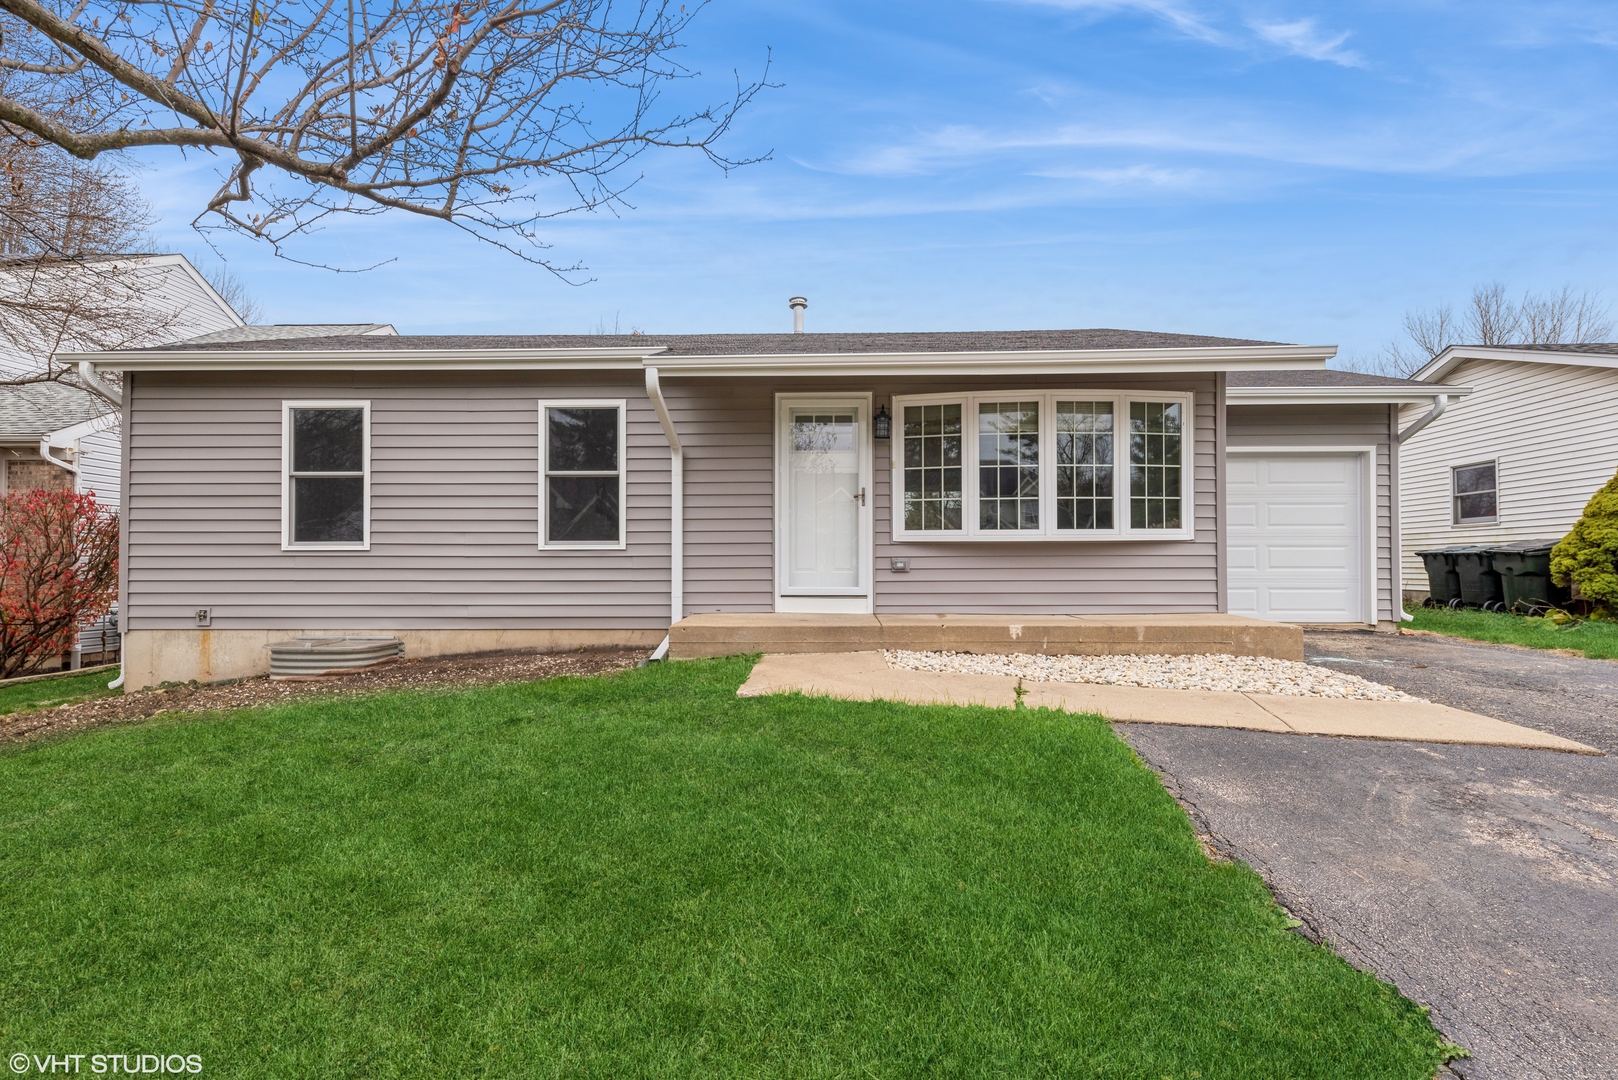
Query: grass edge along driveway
[1594,639]
[642,875]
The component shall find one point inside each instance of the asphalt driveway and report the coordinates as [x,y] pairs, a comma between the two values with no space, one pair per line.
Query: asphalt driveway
[1482,881]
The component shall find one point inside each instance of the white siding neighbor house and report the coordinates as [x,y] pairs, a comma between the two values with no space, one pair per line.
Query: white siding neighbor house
[62,437]
[1516,459]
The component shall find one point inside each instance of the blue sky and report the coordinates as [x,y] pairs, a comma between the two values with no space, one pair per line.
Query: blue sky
[1272,169]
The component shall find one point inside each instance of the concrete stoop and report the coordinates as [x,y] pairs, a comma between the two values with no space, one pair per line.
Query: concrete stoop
[730,633]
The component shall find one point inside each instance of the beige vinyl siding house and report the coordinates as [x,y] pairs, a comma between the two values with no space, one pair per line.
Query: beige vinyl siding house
[556,492]
[1536,437]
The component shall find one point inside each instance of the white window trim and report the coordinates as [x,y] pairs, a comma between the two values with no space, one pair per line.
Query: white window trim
[1369,551]
[287,543]
[622,405]
[1454,496]
[1047,532]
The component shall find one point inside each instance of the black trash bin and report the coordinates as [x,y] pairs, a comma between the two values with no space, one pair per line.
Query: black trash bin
[1525,576]
[1480,584]
[1443,583]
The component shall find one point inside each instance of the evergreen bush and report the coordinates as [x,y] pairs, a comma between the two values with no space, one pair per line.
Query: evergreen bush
[1588,556]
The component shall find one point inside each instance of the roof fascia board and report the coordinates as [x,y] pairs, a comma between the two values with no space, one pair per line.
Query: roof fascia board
[365,359]
[185,267]
[1456,355]
[999,362]
[1004,362]
[1337,395]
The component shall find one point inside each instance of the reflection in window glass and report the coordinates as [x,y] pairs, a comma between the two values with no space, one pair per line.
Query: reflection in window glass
[1084,465]
[328,476]
[1154,465]
[1008,465]
[1476,496]
[932,467]
[582,479]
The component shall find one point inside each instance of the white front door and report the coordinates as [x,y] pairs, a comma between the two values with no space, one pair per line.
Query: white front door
[1295,543]
[823,477]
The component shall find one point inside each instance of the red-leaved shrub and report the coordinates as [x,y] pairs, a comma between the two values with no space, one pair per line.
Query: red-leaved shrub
[58,571]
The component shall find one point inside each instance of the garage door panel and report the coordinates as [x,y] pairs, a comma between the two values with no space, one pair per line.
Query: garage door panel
[1241,558]
[1329,558]
[1295,471]
[1306,604]
[1326,515]
[1293,544]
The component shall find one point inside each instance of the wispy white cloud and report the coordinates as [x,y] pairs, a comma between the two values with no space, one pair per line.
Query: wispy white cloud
[1178,16]
[1303,37]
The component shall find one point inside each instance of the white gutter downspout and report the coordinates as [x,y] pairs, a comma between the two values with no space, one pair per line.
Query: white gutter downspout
[654,390]
[87,373]
[45,448]
[1440,403]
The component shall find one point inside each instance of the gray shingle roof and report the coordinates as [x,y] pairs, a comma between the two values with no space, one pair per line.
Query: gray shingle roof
[250,335]
[1315,377]
[761,344]
[31,410]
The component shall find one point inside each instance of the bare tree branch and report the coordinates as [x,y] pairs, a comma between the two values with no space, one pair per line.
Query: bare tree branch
[468,112]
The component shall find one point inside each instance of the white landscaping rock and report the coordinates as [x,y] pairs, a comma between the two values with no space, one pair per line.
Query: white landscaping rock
[1206,671]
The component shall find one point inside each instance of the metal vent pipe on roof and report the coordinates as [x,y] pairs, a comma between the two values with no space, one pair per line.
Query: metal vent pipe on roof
[797,304]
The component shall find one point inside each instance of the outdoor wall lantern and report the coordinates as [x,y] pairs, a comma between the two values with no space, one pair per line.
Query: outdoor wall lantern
[882,423]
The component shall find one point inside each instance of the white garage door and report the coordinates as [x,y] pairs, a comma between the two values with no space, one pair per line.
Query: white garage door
[1294,545]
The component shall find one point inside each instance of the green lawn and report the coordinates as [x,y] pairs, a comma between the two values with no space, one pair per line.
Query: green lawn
[643,875]
[1597,640]
[20,697]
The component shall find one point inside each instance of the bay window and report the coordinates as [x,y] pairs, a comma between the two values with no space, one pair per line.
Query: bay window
[1043,465]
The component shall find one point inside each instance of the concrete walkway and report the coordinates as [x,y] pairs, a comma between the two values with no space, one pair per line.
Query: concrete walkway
[865,676]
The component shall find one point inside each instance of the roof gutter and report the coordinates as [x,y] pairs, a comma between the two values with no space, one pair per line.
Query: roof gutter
[990,362]
[1452,357]
[654,390]
[1340,395]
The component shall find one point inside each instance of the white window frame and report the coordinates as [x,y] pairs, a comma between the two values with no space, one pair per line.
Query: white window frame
[1047,532]
[287,543]
[622,405]
[1455,496]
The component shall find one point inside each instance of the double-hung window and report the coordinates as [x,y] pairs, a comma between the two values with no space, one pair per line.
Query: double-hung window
[1043,465]
[581,474]
[1475,494]
[326,474]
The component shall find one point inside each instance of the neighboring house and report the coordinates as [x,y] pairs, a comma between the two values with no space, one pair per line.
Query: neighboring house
[471,493]
[62,437]
[1518,458]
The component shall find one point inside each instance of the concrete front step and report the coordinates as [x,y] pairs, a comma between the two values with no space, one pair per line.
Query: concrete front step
[729,633]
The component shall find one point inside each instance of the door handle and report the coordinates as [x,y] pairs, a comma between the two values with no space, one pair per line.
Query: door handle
[862,496]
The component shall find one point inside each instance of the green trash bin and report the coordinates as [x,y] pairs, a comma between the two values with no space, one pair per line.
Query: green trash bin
[1525,576]
[1443,583]
[1480,583]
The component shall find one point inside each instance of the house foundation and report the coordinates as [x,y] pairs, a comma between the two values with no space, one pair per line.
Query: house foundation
[216,655]
[727,633]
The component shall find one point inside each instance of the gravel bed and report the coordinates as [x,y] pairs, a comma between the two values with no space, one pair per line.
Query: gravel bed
[481,669]
[1241,674]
